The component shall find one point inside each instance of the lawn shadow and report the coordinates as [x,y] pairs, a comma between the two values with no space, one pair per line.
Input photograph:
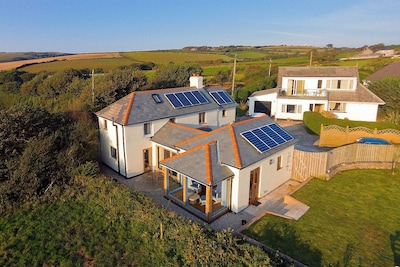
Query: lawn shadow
[284,237]
[395,244]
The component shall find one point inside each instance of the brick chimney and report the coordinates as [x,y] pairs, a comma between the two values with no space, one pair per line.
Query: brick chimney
[196,81]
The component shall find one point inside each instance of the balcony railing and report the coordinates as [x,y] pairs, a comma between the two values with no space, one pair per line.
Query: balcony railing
[303,93]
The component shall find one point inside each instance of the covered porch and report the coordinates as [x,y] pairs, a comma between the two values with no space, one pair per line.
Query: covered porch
[208,201]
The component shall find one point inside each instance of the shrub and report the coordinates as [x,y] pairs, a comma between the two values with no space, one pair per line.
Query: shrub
[313,121]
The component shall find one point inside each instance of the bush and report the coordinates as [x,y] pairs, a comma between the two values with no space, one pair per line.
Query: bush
[313,121]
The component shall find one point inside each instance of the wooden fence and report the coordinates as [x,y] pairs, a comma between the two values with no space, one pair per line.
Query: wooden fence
[334,135]
[324,165]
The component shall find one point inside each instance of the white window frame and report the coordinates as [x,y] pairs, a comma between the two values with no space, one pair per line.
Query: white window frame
[147,128]
[297,108]
[202,118]
[113,152]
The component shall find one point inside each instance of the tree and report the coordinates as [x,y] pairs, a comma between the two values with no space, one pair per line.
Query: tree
[58,83]
[31,87]
[174,75]
[39,150]
[222,76]
[115,85]
[388,89]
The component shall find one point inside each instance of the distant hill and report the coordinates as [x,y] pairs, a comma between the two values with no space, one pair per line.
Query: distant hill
[17,56]
[5,65]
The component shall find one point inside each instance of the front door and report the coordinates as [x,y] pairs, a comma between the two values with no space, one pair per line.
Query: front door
[254,181]
[147,159]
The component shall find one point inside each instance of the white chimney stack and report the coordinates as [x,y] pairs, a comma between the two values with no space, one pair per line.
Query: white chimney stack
[196,81]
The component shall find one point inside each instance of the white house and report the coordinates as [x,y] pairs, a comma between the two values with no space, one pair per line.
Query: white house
[211,164]
[127,125]
[334,89]
[229,168]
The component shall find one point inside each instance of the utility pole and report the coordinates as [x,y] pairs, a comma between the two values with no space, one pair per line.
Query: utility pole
[310,58]
[233,76]
[269,70]
[93,86]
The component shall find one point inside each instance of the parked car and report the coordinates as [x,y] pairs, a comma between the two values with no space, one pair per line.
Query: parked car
[372,140]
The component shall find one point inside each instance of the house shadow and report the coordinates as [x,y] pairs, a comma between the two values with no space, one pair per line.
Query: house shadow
[285,238]
[395,245]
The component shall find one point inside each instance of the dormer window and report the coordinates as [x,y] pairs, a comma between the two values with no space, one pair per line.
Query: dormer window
[157,98]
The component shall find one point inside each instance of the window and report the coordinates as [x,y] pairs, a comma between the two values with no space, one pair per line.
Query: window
[105,124]
[319,84]
[224,113]
[296,87]
[288,108]
[279,164]
[337,106]
[202,117]
[113,152]
[339,84]
[157,98]
[147,128]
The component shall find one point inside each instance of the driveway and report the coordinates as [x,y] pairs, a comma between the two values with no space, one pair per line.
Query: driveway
[306,141]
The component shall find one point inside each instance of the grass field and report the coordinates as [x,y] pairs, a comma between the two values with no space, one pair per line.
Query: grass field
[165,57]
[353,218]
[106,64]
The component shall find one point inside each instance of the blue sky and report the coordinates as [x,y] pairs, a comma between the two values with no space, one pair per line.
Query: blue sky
[79,26]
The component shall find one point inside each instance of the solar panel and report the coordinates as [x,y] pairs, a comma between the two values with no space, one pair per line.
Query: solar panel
[225,96]
[266,137]
[174,100]
[273,134]
[200,97]
[285,135]
[186,99]
[221,97]
[183,99]
[191,98]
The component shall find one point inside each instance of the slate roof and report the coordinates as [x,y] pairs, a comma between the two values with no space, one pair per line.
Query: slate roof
[265,92]
[200,163]
[330,71]
[231,149]
[391,70]
[173,133]
[140,107]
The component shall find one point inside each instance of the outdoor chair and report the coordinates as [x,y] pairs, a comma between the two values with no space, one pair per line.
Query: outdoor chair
[195,187]
[217,197]
[202,200]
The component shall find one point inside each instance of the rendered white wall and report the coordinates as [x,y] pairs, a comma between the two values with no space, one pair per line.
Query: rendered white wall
[270,178]
[359,112]
[267,97]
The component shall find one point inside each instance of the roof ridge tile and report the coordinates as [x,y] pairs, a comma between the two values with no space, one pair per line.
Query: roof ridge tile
[128,109]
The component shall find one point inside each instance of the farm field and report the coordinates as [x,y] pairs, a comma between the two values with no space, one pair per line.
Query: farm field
[18,64]
[353,219]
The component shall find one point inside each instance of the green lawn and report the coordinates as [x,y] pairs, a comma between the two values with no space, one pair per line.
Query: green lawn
[353,220]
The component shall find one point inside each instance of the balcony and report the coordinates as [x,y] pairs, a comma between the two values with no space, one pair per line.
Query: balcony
[306,93]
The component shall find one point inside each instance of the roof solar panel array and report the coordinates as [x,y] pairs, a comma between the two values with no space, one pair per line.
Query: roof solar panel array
[186,99]
[221,97]
[266,137]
